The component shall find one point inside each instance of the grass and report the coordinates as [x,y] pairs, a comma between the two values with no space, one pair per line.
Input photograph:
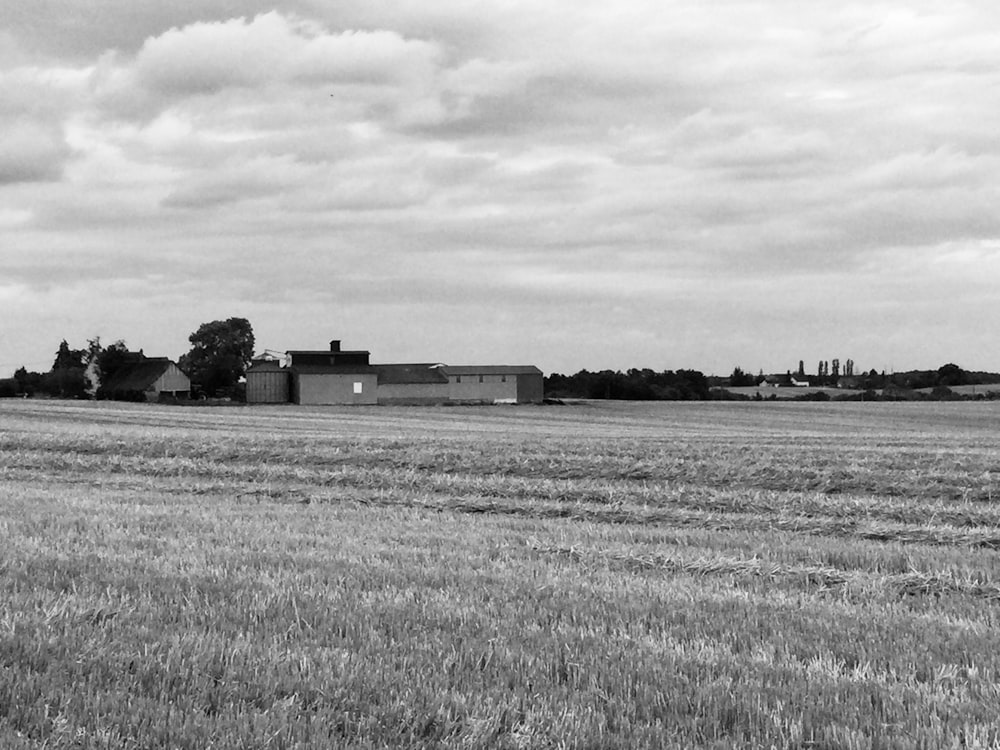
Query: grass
[603,575]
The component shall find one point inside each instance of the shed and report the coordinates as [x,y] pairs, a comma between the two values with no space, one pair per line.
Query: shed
[149,379]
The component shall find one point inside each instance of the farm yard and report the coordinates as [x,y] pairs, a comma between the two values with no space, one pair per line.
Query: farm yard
[686,575]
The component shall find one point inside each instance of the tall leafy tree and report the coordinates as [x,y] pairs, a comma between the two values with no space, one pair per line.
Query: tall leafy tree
[66,378]
[220,354]
[67,358]
[111,358]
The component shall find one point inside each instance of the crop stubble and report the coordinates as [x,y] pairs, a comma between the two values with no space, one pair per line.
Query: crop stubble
[706,575]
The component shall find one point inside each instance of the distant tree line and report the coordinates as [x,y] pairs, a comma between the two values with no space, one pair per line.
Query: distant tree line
[692,385]
[632,385]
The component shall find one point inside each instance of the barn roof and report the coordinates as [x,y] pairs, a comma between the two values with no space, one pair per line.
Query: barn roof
[326,352]
[332,369]
[138,376]
[399,374]
[491,370]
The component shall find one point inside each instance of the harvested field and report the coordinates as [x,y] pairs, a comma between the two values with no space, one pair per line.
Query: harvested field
[687,575]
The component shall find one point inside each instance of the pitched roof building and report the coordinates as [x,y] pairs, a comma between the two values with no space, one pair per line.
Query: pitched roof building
[148,379]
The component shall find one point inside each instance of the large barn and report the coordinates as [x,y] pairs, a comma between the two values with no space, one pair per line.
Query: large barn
[338,376]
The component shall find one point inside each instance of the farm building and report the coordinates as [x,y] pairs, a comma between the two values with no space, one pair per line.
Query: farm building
[332,376]
[513,384]
[337,376]
[148,379]
[412,384]
[267,382]
[785,381]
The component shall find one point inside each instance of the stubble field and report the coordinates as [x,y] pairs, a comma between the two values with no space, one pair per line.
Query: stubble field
[705,575]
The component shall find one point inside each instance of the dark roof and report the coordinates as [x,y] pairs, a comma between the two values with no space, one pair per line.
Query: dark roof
[327,352]
[263,364]
[410,374]
[138,376]
[332,369]
[491,370]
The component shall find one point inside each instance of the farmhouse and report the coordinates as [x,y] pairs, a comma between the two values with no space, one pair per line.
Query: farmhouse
[148,379]
[338,376]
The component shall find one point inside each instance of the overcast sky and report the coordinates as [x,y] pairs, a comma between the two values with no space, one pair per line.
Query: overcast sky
[661,183]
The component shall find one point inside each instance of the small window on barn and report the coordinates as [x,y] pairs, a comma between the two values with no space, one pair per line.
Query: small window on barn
[480,378]
[458,378]
[358,387]
[503,378]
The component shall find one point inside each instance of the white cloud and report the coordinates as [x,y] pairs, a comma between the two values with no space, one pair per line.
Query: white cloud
[707,165]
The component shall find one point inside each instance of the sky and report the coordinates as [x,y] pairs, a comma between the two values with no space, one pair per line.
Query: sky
[571,184]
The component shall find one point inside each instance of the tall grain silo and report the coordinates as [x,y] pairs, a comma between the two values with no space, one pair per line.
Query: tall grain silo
[267,382]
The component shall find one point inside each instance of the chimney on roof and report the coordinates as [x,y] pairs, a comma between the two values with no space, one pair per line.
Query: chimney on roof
[335,345]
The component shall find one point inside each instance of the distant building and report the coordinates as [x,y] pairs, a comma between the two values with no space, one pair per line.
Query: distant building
[513,384]
[338,376]
[785,381]
[332,376]
[267,382]
[412,384]
[148,379]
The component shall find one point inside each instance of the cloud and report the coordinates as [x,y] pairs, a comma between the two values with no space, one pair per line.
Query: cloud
[599,167]
[256,55]
[34,103]
[31,154]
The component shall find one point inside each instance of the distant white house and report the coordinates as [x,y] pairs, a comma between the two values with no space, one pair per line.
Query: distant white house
[785,381]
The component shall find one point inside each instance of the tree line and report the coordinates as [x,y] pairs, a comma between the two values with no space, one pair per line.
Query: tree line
[220,353]
[632,385]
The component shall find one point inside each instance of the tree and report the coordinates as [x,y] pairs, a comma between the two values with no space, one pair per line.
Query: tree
[740,379]
[27,382]
[111,358]
[220,354]
[66,379]
[67,358]
[802,369]
[951,374]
